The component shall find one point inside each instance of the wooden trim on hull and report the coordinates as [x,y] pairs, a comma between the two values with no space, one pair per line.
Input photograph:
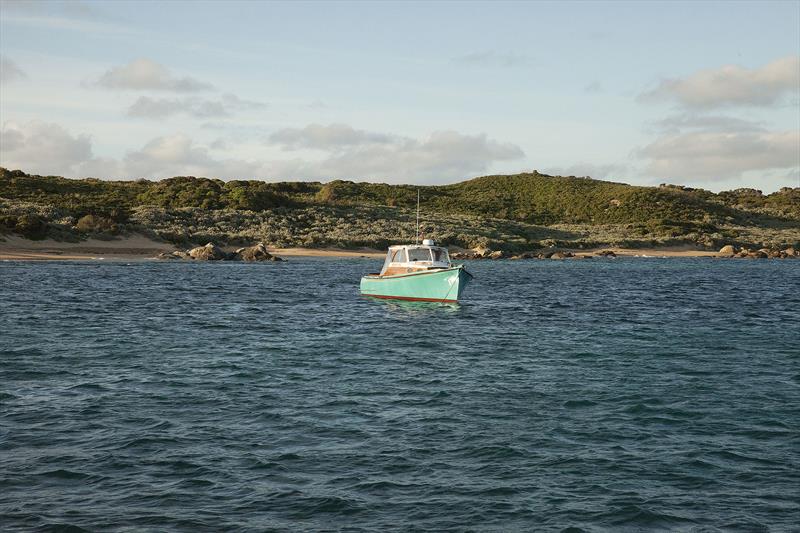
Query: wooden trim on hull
[409,298]
[378,277]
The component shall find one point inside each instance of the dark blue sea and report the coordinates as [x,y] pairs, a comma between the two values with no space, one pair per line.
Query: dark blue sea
[602,395]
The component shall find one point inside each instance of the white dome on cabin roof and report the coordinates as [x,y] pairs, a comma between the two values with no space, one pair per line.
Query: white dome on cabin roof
[428,242]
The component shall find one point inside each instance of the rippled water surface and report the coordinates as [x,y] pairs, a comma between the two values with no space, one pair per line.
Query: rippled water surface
[604,395]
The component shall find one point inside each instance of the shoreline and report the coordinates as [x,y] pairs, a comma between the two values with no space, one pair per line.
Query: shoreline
[140,248]
[135,248]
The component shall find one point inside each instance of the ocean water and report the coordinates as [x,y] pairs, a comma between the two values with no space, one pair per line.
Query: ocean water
[602,395]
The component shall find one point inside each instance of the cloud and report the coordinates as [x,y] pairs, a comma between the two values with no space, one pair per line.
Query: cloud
[144,74]
[234,102]
[9,71]
[676,123]
[227,105]
[320,137]
[443,156]
[73,8]
[77,9]
[178,155]
[719,155]
[717,148]
[43,147]
[594,87]
[46,148]
[596,171]
[490,58]
[60,15]
[732,85]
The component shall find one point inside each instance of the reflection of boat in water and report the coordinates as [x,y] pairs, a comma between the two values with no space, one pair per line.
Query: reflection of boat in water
[421,273]
[412,307]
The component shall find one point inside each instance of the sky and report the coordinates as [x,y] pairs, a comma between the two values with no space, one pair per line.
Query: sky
[703,94]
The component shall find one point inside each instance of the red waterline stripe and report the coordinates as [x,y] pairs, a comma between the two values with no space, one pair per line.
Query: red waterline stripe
[410,299]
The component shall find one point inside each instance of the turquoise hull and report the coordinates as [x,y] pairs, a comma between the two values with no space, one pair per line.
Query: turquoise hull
[441,285]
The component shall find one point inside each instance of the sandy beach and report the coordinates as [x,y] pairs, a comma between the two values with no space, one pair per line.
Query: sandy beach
[140,248]
[133,248]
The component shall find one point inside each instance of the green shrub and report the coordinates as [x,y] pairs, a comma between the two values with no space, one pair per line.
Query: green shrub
[513,212]
[31,226]
[96,224]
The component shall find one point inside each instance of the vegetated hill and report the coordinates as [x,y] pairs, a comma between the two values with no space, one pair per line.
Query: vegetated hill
[525,201]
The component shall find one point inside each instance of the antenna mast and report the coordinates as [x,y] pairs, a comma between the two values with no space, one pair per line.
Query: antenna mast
[416,241]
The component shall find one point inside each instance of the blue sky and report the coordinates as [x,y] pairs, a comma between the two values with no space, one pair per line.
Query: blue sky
[702,94]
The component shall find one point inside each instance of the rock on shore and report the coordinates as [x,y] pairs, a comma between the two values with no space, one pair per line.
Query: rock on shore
[209,252]
[256,253]
[212,252]
[763,253]
[483,253]
[727,251]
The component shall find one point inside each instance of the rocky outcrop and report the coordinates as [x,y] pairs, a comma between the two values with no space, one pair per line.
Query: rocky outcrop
[727,251]
[255,253]
[178,254]
[762,253]
[212,252]
[524,255]
[209,252]
[479,253]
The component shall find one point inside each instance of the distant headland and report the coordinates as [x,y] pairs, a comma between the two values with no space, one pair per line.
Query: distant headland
[521,215]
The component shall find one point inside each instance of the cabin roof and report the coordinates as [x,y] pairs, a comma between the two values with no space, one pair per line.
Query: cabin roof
[396,246]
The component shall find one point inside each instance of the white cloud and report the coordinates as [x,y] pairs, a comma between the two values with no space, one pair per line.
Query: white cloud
[611,171]
[676,123]
[443,156]
[491,58]
[732,85]
[234,102]
[144,74]
[227,105]
[716,149]
[178,155]
[321,137]
[9,71]
[719,155]
[43,148]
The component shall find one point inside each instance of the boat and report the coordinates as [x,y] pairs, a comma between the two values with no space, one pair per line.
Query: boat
[415,272]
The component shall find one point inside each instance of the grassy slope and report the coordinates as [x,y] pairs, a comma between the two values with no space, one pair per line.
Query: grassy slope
[516,206]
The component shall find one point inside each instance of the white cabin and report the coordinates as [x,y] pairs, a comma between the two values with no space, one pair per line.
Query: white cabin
[406,258]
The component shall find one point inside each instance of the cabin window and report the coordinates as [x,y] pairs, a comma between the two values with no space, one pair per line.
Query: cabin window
[440,255]
[419,254]
[399,256]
